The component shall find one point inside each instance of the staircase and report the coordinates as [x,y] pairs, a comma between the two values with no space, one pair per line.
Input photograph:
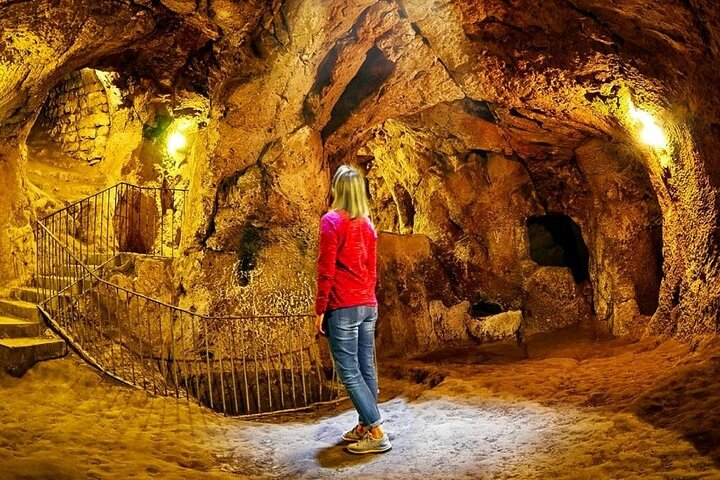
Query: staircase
[237,365]
[24,337]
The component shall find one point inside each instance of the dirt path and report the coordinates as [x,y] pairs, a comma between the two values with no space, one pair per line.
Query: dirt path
[644,410]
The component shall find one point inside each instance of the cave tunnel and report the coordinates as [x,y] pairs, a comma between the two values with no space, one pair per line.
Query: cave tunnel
[556,240]
[542,181]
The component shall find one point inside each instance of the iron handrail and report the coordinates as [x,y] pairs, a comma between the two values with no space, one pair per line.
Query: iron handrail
[103,191]
[103,321]
[93,274]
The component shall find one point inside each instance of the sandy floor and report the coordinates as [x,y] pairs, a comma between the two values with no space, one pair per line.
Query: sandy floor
[577,410]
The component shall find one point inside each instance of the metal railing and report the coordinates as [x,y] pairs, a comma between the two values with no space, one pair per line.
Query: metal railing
[235,365]
[121,218]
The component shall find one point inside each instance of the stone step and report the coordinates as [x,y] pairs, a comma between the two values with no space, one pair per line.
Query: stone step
[28,294]
[19,354]
[19,309]
[31,295]
[72,270]
[96,258]
[11,327]
[53,282]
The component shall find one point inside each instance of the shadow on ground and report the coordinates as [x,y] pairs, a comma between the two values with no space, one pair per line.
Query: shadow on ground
[335,457]
[687,403]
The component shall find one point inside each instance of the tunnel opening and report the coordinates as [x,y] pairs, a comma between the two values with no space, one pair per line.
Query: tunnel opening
[405,209]
[372,74]
[70,149]
[648,289]
[556,240]
[484,308]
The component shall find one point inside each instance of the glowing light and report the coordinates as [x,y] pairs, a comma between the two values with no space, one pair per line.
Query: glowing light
[175,142]
[650,132]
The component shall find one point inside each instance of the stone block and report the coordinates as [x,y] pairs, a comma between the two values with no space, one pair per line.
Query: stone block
[96,98]
[94,120]
[87,133]
[495,327]
[11,327]
[553,300]
[19,309]
[17,355]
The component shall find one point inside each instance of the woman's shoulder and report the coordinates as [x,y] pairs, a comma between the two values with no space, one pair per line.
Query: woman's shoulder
[332,218]
[332,215]
[340,216]
[369,225]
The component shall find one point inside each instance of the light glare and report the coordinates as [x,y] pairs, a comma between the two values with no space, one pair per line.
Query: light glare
[650,132]
[176,141]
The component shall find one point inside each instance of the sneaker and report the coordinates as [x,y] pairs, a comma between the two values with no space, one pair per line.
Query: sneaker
[369,444]
[354,435]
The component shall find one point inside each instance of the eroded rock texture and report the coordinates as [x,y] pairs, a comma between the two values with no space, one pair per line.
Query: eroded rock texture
[503,160]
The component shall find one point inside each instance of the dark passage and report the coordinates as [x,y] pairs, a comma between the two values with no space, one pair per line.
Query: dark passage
[483,308]
[372,74]
[556,240]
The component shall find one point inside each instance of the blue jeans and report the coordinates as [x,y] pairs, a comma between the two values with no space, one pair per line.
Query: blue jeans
[351,334]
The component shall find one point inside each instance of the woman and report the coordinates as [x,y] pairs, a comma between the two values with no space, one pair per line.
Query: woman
[346,305]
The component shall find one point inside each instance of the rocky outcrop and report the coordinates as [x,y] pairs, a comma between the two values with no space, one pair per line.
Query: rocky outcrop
[17,246]
[501,326]
[418,311]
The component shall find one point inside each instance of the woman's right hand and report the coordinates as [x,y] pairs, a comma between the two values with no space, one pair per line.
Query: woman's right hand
[319,325]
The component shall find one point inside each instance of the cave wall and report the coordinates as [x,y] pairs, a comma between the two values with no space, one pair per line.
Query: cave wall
[577,59]
[17,246]
[257,203]
[453,104]
[624,221]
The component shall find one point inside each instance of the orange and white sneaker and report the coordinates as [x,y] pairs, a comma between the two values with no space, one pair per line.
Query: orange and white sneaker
[370,444]
[354,435]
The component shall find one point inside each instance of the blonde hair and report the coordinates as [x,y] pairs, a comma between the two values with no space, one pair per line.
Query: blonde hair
[349,193]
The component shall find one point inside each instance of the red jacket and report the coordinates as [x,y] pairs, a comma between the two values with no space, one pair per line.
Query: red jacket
[346,267]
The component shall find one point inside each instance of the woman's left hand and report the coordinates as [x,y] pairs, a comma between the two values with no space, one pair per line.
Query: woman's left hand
[319,325]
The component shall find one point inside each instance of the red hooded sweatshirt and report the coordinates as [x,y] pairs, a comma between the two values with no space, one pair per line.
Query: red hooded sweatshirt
[346,267]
